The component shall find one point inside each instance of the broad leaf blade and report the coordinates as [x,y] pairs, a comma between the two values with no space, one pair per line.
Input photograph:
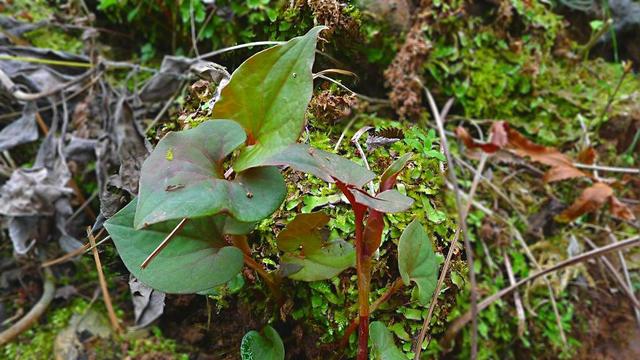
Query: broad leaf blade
[196,259]
[264,345]
[183,178]
[326,166]
[268,96]
[383,347]
[417,262]
[301,229]
[390,201]
[308,256]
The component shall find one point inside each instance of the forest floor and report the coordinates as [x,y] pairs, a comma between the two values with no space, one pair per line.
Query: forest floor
[543,127]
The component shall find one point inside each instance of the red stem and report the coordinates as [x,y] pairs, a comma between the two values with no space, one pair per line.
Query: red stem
[363,268]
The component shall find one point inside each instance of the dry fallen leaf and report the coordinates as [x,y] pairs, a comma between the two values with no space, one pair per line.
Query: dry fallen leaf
[619,209]
[593,198]
[587,156]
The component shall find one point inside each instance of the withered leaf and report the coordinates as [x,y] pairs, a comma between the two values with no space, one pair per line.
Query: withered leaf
[593,198]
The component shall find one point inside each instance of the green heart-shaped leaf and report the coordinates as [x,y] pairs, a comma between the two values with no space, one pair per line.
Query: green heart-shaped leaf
[326,166]
[308,256]
[390,201]
[382,345]
[268,95]
[417,262]
[183,177]
[196,259]
[264,345]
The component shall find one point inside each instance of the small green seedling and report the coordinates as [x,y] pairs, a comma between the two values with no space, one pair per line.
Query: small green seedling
[204,189]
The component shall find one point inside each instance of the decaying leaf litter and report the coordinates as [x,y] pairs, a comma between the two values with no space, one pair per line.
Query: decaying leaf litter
[79,119]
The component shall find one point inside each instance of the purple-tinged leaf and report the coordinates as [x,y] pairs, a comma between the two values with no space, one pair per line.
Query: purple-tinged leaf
[390,201]
[183,178]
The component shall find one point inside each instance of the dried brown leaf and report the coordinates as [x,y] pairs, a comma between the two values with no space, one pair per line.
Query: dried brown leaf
[591,199]
[620,210]
[587,156]
[558,173]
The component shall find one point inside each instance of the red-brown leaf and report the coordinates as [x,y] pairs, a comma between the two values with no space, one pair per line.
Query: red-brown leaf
[591,199]
[558,173]
[471,143]
[587,156]
[620,210]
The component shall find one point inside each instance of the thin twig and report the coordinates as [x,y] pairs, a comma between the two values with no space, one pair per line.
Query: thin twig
[461,321]
[363,97]
[516,295]
[115,325]
[79,251]
[176,230]
[625,271]
[236,47]
[344,132]
[607,168]
[453,178]
[48,291]
[616,276]
[164,109]
[552,296]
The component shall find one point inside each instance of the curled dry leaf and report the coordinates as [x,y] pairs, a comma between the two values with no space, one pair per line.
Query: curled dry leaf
[587,155]
[593,198]
[503,137]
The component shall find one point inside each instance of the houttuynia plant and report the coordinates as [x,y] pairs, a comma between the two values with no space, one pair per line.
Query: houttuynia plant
[204,189]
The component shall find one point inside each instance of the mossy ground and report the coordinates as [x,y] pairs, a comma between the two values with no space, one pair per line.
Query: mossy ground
[520,70]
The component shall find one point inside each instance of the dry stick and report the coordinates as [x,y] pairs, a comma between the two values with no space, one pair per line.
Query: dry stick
[452,245]
[164,243]
[194,38]
[607,168]
[72,182]
[516,295]
[552,297]
[344,132]
[627,67]
[463,229]
[363,97]
[48,291]
[616,276]
[79,251]
[461,321]
[625,271]
[103,285]
[356,141]
[164,109]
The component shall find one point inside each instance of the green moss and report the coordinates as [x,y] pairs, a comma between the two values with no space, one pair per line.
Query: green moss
[37,342]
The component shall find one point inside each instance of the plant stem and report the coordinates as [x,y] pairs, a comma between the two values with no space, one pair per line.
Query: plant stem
[240,241]
[391,289]
[363,267]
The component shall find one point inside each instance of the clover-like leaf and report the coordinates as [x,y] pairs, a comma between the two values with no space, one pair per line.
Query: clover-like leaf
[390,201]
[417,262]
[383,347]
[326,166]
[308,255]
[268,95]
[196,259]
[264,345]
[183,177]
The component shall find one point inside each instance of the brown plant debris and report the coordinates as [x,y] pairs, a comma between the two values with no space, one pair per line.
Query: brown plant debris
[401,75]
[332,108]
